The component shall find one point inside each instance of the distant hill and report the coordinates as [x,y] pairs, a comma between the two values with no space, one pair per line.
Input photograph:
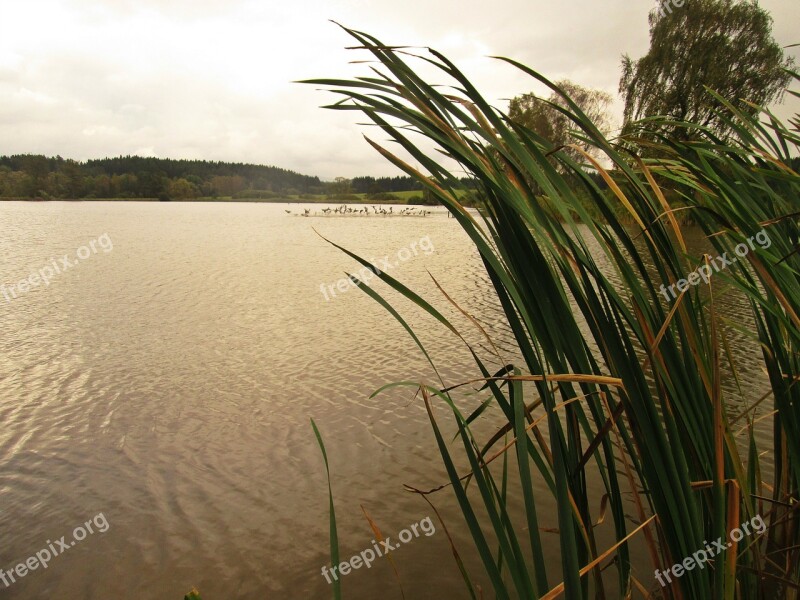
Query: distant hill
[258,176]
[25,176]
[131,177]
[138,177]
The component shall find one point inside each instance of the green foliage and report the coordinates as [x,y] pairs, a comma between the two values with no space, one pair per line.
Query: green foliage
[428,199]
[256,194]
[546,116]
[334,535]
[29,176]
[615,383]
[372,185]
[384,197]
[724,45]
[340,185]
[193,595]
[182,188]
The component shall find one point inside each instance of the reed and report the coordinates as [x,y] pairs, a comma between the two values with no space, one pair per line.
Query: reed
[634,396]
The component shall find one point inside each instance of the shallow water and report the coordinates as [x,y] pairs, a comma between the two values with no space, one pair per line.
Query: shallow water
[169,384]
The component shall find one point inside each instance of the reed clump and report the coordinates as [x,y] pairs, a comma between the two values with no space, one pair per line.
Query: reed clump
[616,382]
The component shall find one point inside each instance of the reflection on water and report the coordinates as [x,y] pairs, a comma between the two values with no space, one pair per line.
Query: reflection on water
[169,385]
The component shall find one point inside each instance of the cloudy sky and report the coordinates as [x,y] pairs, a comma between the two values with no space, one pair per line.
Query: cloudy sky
[212,79]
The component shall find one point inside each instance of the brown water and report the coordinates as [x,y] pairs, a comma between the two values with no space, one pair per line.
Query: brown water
[169,384]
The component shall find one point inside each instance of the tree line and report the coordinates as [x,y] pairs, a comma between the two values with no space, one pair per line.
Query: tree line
[37,176]
[29,176]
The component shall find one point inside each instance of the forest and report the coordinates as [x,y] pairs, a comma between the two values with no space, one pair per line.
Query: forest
[132,177]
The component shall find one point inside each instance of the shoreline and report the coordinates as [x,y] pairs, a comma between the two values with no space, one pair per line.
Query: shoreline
[398,202]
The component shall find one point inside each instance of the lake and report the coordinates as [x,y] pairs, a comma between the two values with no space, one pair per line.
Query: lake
[167,378]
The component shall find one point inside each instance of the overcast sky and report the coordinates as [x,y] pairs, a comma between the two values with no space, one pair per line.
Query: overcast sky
[211,79]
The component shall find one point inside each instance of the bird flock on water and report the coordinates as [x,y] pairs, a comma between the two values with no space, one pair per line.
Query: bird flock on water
[344,209]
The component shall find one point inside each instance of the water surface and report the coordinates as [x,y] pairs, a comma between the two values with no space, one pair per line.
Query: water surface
[170,382]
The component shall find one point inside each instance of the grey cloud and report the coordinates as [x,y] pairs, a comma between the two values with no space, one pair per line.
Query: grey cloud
[213,79]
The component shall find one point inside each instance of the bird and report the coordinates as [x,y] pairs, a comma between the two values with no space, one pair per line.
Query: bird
[288,212]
